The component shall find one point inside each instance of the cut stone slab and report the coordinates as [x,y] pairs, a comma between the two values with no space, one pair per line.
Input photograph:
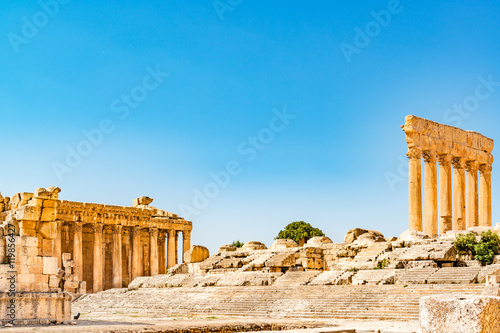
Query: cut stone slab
[455,314]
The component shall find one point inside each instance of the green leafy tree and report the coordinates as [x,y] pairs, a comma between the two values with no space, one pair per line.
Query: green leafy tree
[465,243]
[484,250]
[299,230]
[238,244]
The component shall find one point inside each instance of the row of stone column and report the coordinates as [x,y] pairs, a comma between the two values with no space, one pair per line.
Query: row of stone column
[157,252]
[454,212]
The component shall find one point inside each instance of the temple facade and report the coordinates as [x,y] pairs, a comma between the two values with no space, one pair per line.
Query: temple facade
[462,199]
[109,245]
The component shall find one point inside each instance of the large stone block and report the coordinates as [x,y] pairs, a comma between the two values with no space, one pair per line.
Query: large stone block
[37,308]
[142,201]
[50,265]
[252,246]
[196,253]
[318,241]
[283,244]
[354,234]
[455,314]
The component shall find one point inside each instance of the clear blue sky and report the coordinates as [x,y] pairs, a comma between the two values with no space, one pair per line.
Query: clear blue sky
[348,73]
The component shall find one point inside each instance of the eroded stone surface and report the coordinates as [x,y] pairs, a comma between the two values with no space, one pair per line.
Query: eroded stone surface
[455,314]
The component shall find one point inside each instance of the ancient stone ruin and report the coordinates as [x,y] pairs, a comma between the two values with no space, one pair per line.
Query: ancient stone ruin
[112,259]
[54,246]
[465,150]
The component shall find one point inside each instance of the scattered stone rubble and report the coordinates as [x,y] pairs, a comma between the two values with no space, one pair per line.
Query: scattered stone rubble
[366,259]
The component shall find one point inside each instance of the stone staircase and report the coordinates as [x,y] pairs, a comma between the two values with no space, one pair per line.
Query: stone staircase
[481,278]
[458,275]
[372,252]
[416,276]
[374,276]
[326,278]
[383,302]
[257,278]
[298,278]
[258,262]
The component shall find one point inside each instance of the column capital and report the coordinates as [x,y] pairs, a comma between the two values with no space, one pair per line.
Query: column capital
[97,227]
[117,229]
[444,159]
[186,234]
[429,156]
[153,231]
[485,169]
[170,232]
[77,226]
[458,162]
[472,166]
[136,231]
[162,235]
[414,153]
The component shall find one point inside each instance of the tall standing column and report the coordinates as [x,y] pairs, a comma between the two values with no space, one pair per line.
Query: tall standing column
[171,248]
[136,252]
[58,244]
[485,188]
[415,192]
[431,193]
[186,242]
[176,247]
[445,194]
[472,194]
[153,251]
[78,251]
[117,257]
[161,252]
[459,193]
[98,265]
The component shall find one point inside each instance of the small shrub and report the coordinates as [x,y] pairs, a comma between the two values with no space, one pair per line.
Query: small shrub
[238,244]
[465,243]
[382,264]
[353,269]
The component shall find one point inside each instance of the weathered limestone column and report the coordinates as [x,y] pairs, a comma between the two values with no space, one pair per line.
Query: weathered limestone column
[162,252]
[459,193]
[153,251]
[186,242]
[117,256]
[171,248]
[78,251]
[176,247]
[136,252]
[58,244]
[445,193]
[472,194]
[98,262]
[485,188]
[431,193]
[415,193]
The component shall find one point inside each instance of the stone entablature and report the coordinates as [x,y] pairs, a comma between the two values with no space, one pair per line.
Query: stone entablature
[119,215]
[444,139]
[465,152]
